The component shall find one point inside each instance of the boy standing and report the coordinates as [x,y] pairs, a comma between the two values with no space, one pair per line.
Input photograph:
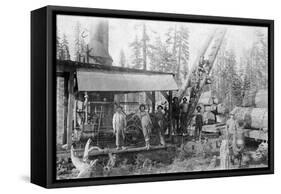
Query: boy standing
[160,122]
[198,122]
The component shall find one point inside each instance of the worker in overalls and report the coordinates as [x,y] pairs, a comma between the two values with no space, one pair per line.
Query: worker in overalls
[119,125]
[146,124]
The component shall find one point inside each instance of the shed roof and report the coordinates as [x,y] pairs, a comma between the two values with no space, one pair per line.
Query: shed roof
[73,66]
[107,81]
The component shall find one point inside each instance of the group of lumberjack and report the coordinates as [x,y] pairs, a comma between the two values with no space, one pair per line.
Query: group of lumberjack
[119,122]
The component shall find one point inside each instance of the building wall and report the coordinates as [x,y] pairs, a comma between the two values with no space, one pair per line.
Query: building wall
[60,109]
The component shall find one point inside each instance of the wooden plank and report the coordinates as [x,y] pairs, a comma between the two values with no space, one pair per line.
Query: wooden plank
[214,128]
[256,134]
[70,109]
[94,153]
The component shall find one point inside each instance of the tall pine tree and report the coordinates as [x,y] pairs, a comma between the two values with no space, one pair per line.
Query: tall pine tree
[137,61]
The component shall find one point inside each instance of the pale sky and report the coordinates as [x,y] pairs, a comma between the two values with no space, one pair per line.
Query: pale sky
[122,32]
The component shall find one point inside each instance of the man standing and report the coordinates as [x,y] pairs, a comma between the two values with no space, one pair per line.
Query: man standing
[175,114]
[119,125]
[239,139]
[160,121]
[231,126]
[198,122]
[146,124]
[183,113]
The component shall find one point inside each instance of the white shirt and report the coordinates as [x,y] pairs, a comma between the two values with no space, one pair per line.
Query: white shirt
[119,121]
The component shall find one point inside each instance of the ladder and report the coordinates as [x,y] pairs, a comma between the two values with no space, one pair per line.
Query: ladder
[199,75]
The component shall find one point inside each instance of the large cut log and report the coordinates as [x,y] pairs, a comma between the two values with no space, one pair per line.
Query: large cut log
[205,98]
[253,117]
[261,99]
[221,109]
[256,98]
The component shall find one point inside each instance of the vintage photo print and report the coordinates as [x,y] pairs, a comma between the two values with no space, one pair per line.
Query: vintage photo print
[142,97]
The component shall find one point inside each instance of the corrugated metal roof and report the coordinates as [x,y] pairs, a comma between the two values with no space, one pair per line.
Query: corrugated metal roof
[124,82]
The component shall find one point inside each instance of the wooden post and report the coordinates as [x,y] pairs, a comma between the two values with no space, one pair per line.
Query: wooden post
[65,109]
[86,107]
[87,54]
[170,112]
[153,101]
[165,94]
[70,109]
[75,113]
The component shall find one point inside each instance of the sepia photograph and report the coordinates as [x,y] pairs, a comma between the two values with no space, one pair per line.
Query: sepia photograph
[143,97]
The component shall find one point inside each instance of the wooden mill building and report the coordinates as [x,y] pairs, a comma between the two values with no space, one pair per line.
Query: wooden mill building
[88,93]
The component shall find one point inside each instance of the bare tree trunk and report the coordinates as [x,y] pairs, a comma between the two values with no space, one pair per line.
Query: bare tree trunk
[144,48]
[179,63]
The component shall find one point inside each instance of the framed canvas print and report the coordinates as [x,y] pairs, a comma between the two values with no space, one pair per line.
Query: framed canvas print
[125,96]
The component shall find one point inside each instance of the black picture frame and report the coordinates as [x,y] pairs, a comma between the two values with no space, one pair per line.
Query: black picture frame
[43,98]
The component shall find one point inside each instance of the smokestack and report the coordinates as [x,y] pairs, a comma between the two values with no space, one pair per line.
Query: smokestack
[98,44]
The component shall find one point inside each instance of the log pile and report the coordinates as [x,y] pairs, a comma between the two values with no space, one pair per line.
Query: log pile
[221,109]
[255,118]
[256,98]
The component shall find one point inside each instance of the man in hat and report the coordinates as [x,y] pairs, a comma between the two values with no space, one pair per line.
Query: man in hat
[146,124]
[198,122]
[119,125]
[175,114]
[183,113]
[231,126]
[160,121]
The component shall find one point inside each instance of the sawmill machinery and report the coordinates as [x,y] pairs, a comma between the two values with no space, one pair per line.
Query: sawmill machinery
[201,69]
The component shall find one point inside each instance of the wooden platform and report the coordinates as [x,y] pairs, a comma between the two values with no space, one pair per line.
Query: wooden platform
[106,151]
[214,128]
[256,134]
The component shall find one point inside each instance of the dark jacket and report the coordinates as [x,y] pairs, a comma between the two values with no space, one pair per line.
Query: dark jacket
[199,119]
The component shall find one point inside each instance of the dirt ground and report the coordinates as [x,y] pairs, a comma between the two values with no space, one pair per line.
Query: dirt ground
[190,156]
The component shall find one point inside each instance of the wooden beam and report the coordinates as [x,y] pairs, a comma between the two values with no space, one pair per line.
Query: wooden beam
[165,94]
[95,153]
[65,108]
[153,101]
[149,95]
[70,108]
[201,52]
[170,99]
